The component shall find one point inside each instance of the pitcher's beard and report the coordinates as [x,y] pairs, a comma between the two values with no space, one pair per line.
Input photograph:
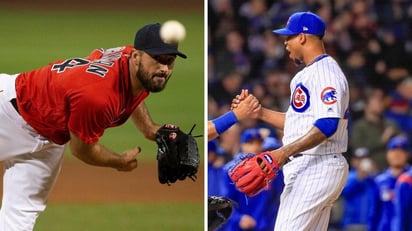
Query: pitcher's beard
[149,82]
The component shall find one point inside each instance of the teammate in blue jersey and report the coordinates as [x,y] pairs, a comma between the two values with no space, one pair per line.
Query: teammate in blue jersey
[260,210]
[256,213]
[358,191]
[382,211]
[402,220]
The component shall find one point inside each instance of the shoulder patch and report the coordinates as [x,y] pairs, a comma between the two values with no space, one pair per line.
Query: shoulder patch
[328,95]
[300,98]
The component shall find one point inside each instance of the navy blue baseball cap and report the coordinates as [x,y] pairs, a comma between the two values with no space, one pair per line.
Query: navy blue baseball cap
[148,40]
[303,22]
[401,142]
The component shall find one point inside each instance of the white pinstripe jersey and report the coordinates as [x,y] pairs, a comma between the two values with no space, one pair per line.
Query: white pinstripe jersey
[320,90]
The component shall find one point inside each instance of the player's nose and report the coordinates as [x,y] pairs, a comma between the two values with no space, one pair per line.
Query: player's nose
[164,68]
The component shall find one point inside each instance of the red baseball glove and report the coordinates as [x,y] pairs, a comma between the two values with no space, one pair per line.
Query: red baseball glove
[253,173]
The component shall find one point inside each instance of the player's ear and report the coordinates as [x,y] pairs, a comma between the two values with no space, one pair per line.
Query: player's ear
[135,56]
[302,38]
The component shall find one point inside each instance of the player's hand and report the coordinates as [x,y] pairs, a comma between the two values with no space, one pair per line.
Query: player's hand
[128,160]
[279,156]
[238,98]
[248,108]
[247,222]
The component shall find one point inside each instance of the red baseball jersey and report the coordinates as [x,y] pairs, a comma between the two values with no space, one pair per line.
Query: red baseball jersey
[81,95]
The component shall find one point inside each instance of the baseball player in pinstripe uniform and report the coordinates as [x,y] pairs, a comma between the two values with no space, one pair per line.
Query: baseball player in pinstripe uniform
[315,129]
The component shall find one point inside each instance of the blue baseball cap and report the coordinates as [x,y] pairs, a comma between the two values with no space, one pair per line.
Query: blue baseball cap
[271,143]
[250,134]
[401,142]
[303,22]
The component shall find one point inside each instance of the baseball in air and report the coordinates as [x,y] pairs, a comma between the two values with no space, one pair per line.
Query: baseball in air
[172,32]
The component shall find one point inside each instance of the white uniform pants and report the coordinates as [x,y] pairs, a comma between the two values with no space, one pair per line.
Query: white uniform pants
[312,185]
[31,165]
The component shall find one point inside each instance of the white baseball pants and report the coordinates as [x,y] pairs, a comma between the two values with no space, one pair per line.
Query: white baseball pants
[31,165]
[312,184]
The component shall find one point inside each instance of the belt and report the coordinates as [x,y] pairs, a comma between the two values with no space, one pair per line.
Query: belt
[14,103]
[290,158]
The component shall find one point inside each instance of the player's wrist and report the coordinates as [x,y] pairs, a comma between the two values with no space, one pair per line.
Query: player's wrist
[279,155]
[107,158]
[225,121]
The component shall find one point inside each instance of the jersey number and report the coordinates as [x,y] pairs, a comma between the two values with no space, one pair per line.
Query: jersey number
[71,63]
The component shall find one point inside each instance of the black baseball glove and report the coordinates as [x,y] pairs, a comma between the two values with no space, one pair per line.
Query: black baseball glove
[177,154]
[219,210]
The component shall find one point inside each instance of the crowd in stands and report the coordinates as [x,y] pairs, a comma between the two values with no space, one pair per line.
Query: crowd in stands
[372,42]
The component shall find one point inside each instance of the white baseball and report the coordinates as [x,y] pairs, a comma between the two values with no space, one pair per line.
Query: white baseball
[172,31]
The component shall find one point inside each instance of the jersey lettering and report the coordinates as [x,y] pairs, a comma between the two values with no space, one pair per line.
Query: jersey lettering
[98,67]
[69,63]
[98,70]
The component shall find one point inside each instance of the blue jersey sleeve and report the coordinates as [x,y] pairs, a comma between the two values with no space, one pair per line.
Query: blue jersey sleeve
[353,186]
[402,204]
[375,210]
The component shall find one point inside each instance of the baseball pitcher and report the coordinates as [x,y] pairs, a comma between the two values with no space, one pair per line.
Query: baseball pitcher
[76,100]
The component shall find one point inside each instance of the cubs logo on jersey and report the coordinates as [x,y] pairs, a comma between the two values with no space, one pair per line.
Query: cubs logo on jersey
[300,98]
[328,95]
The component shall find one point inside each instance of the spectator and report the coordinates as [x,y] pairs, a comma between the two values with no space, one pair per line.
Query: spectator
[357,101]
[354,68]
[400,108]
[373,130]
[277,84]
[224,90]
[234,55]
